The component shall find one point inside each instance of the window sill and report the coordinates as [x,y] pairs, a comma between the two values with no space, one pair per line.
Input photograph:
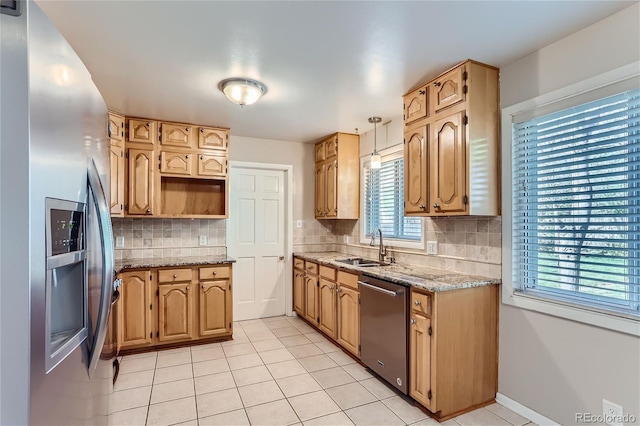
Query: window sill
[571,312]
[392,243]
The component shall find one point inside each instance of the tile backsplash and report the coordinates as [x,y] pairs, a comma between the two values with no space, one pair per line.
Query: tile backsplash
[146,238]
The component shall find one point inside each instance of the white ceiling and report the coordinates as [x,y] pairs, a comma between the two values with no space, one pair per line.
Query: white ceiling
[328,65]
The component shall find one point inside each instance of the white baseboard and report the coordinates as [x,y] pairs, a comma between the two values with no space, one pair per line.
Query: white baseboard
[527,412]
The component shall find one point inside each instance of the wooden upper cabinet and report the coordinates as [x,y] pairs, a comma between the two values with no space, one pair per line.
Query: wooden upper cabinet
[415,105]
[116,129]
[415,171]
[331,147]
[140,181]
[134,315]
[212,165]
[420,360]
[215,308]
[349,318]
[449,89]
[116,163]
[213,138]
[331,188]
[321,153]
[320,200]
[176,163]
[178,135]
[142,131]
[327,307]
[447,165]
[175,312]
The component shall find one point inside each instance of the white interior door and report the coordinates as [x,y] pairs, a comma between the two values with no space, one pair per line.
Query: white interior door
[256,239]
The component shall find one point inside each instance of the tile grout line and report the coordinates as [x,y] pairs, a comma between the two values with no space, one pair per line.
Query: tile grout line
[146,420]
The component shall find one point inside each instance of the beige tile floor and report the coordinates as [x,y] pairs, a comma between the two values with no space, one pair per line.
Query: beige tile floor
[276,371]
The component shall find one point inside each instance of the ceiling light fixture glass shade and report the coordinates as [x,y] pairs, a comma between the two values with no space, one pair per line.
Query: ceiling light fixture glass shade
[242,91]
[376,159]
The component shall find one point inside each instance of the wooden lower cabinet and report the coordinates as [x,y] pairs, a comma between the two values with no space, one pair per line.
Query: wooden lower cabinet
[311,285]
[172,306]
[135,309]
[298,291]
[327,307]
[453,349]
[175,312]
[349,318]
[215,308]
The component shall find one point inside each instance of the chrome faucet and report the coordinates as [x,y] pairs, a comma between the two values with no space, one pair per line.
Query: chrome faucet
[383,250]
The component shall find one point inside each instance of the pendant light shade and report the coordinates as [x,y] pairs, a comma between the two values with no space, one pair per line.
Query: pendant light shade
[242,91]
[376,159]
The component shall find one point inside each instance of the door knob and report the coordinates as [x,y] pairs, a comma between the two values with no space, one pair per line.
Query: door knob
[280,257]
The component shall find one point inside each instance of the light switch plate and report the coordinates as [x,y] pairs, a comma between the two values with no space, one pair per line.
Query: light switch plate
[203,240]
[298,224]
[119,242]
[432,247]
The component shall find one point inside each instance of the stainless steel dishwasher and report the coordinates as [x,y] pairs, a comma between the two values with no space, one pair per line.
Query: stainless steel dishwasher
[383,329]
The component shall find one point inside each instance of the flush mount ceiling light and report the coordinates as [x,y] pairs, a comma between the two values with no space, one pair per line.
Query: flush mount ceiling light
[242,91]
[376,160]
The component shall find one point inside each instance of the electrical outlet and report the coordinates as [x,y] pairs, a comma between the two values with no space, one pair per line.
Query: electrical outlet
[203,240]
[329,227]
[612,413]
[432,247]
[298,224]
[119,242]
[345,239]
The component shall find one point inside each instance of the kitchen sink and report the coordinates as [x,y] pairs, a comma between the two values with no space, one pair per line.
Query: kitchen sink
[358,261]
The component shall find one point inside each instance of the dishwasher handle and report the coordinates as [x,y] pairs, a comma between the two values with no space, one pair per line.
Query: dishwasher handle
[381,290]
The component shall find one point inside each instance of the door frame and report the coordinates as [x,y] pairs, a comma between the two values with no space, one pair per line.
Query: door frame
[288,228]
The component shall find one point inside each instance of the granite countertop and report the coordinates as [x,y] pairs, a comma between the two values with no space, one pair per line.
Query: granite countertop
[417,276]
[161,262]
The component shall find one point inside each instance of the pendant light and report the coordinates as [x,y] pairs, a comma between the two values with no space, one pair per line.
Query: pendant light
[376,160]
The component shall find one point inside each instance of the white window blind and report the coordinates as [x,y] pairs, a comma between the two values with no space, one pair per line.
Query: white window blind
[576,203]
[384,201]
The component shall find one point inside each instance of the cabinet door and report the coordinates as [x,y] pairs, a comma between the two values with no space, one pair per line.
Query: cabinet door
[415,105]
[331,188]
[321,209]
[135,309]
[142,131]
[212,138]
[116,162]
[447,165]
[349,319]
[116,129]
[420,360]
[176,163]
[331,147]
[448,89]
[175,311]
[311,299]
[415,171]
[212,165]
[215,308]
[140,181]
[298,292]
[176,135]
[327,307]
[321,154]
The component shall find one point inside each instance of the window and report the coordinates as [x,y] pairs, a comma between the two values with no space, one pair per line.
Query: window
[383,206]
[575,201]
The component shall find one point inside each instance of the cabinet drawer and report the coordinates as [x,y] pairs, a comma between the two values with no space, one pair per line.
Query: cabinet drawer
[174,275]
[215,272]
[298,263]
[311,268]
[328,273]
[421,303]
[348,279]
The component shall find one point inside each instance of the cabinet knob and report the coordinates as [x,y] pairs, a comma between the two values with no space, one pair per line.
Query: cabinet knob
[175,276]
[148,124]
[436,84]
[187,129]
[186,156]
[422,206]
[201,130]
[436,205]
[337,289]
[148,210]
[215,273]
[202,157]
[422,92]
[417,303]
[203,286]
[412,321]
[187,288]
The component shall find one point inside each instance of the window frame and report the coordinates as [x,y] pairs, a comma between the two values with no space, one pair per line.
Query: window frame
[395,151]
[510,295]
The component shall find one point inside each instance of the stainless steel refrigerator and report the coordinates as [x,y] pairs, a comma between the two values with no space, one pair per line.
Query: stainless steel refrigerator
[56,246]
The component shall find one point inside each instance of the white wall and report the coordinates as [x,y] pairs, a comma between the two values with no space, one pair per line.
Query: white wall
[555,366]
[299,155]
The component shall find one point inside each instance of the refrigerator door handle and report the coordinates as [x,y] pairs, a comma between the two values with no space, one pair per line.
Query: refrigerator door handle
[106,242]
